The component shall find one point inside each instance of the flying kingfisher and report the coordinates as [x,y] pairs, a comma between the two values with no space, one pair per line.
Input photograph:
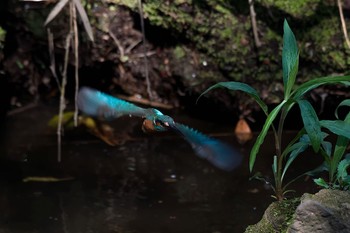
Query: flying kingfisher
[98,104]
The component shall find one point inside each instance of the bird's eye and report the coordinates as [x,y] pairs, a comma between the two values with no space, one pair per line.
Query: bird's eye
[160,123]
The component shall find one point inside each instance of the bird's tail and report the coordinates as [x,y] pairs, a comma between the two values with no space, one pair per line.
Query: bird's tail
[216,152]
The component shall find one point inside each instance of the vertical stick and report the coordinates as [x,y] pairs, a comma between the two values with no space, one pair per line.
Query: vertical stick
[52,57]
[76,58]
[343,24]
[148,83]
[63,84]
[254,25]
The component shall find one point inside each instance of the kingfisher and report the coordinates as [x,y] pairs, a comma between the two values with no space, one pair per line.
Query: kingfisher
[101,105]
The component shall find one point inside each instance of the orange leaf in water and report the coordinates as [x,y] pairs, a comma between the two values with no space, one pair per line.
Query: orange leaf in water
[243,131]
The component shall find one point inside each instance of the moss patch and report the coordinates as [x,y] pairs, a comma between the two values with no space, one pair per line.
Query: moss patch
[277,217]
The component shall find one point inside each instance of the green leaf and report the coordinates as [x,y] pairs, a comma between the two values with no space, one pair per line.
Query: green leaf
[309,85]
[238,86]
[270,118]
[337,127]
[341,144]
[323,167]
[67,118]
[327,147]
[321,182]
[291,80]
[289,59]
[311,123]
[343,103]
[274,165]
[297,149]
[342,169]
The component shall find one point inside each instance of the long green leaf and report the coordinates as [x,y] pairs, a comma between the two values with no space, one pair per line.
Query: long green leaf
[288,148]
[327,147]
[238,86]
[274,165]
[322,168]
[54,12]
[296,149]
[343,103]
[342,129]
[289,59]
[337,126]
[309,85]
[311,123]
[270,118]
[291,80]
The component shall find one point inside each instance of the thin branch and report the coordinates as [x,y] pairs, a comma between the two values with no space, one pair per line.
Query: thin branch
[345,32]
[254,25]
[22,109]
[62,99]
[148,83]
[76,58]
[132,46]
[118,44]
[63,85]
[52,57]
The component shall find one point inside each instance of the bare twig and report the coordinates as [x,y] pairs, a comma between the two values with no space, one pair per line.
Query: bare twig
[52,56]
[148,83]
[22,109]
[139,100]
[254,25]
[62,99]
[139,55]
[118,44]
[345,32]
[76,58]
[132,46]
[63,85]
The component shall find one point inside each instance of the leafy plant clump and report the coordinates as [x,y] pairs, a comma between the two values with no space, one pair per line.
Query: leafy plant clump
[310,134]
[336,162]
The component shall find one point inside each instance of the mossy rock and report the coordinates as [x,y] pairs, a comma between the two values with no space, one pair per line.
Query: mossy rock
[276,218]
[326,211]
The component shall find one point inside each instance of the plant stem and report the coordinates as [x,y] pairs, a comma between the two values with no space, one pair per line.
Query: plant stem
[278,141]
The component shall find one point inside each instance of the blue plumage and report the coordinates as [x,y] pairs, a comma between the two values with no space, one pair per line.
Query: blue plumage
[218,153]
[98,104]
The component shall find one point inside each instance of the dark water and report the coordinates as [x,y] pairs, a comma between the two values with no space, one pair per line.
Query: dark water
[152,183]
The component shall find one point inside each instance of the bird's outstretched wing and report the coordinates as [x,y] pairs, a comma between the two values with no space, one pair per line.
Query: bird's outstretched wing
[216,152]
[98,104]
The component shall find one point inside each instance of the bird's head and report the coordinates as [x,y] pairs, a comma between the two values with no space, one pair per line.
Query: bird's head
[157,121]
